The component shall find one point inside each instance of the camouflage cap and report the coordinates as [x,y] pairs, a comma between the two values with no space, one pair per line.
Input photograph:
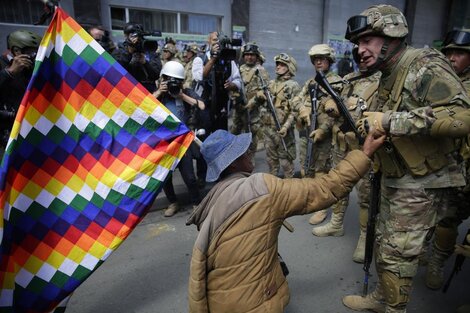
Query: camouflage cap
[322,50]
[457,39]
[380,20]
[192,47]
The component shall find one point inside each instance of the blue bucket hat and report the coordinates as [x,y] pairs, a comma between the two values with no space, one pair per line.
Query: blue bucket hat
[220,149]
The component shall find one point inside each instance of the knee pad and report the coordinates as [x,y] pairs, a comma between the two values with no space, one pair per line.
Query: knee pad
[396,289]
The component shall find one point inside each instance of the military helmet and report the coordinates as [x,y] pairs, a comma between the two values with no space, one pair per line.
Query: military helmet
[23,39]
[170,48]
[286,59]
[250,47]
[322,50]
[193,47]
[173,69]
[457,39]
[380,20]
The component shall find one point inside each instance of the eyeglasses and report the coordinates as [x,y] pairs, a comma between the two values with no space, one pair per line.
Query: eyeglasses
[355,25]
[458,37]
[282,57]
[318,58]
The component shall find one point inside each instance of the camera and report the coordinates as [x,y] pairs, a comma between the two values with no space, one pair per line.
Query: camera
[174,85]
[226,52]
[143,44]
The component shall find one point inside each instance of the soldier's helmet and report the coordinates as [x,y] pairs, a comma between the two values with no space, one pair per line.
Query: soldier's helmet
[251,47]
[288,60]
[323,50]
[170,48]
[192,47]
[23,39]
[379,20]
[457,39]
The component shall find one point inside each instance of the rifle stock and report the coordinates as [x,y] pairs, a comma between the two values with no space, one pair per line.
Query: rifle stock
[348,124]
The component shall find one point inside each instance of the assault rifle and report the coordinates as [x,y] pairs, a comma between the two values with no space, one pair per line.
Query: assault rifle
[347,126]
[348,123]
[269,99]
[459,259]
[312,90]
[374,206]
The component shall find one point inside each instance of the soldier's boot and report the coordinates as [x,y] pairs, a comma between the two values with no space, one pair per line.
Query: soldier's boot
[171,210]
[442,248]
[374,301]
[318,217]
[359,253]
[435,269]
[333,228]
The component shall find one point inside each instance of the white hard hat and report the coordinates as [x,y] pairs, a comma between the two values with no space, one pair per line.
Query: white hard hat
[173,69]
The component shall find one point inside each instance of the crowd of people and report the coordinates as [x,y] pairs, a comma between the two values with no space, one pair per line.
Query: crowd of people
[411,108]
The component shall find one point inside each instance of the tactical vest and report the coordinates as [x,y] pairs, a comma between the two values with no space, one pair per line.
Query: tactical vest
[188,75]
[281,99]
[359,97]
[418,155]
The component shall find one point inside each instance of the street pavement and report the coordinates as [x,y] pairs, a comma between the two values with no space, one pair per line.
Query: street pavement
[149,272]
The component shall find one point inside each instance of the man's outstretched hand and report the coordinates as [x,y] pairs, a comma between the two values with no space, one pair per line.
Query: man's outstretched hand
[373,141]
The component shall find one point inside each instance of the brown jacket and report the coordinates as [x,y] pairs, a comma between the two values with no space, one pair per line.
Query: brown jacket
[234,266]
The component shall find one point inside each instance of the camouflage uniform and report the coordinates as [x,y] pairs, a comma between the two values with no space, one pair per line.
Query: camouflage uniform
[321,156]
[446,231]
[248,120]
[419,159]
[359,93]
[283,89]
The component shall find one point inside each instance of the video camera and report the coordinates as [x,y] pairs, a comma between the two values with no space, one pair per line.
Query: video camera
[142,45]
[226,52]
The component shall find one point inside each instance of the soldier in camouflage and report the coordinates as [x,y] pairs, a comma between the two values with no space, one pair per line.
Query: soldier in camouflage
[457,50]
[246,113]
[359,93]
[424,111]
[193,66]
[282,89]
[322,57]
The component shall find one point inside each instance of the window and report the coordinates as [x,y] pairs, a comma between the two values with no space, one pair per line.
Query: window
[154,20]
[20,12]
[87,12]
[199,24]
[166,22]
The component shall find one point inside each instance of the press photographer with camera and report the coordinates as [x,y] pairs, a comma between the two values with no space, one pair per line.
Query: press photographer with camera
[221,76]
[16,69]
[184,104]
[138,55]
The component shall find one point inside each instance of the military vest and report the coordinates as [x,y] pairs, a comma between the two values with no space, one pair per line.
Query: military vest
[282,92]
[418,155]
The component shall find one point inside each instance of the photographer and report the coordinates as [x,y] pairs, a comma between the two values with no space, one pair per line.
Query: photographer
[221,76]
[103,37]
[137,58]
[184,104]
[16,69]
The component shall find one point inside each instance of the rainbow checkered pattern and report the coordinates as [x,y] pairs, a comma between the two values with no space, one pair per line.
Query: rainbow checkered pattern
[87,155]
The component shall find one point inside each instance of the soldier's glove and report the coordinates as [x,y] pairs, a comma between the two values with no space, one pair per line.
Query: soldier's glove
[304,115]
[317,135]
[283,131]
[331,108]
[371,120]
[251,104]
[463,249]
